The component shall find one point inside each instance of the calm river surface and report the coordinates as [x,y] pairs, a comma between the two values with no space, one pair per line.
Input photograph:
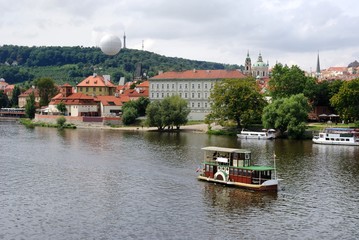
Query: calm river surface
[109,184]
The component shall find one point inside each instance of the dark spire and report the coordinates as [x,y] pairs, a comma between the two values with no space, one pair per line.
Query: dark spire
[124,40]
[318,66]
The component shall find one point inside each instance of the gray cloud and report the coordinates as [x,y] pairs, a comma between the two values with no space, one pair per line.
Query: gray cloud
[212,30]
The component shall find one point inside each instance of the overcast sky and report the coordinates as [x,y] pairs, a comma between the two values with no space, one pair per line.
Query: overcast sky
[290,32]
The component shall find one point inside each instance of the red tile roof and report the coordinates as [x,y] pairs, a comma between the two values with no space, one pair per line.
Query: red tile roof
[144,84]
[201,74]
[74,99]
[133,93]
[95,81]
[29,91]
[110,100]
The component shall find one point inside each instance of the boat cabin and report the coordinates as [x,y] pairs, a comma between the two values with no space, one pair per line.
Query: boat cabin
[233,165]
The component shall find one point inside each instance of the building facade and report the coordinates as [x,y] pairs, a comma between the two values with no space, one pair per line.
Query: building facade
[192,85]
[97,85]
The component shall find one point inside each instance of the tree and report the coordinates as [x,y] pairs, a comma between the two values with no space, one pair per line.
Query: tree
[154,115]
[4,100]
[170,112]
[61,121]
[61,107]
[287,114]
[237,100]
[129,115]
[47,90]
[15,96]
[346,101]
[30,107]
[286,82]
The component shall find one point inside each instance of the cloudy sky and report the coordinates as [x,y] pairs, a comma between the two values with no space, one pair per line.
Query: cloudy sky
[290,32]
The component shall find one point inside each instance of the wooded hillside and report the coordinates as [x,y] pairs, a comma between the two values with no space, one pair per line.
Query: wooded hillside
[20,64]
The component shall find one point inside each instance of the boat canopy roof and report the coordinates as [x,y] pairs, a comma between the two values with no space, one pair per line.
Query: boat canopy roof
[228,150]
[258,168]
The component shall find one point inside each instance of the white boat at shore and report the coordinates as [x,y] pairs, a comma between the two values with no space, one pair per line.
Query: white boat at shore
[338,136]
[264,134]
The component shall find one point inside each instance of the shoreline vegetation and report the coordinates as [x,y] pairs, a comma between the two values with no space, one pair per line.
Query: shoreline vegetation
[195,126]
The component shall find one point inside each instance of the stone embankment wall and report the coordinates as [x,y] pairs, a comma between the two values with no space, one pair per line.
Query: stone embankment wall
[80,121]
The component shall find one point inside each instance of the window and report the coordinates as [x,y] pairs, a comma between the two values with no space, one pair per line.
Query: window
[158,95]
[180,94]
[199,95]
[152,95]
[185,86]
[199,86]
[193,105]
[199,105]
[163,86]
[192,85]
[205,105]
[205,85]
[185,95]
[87,89]
[173,86]
[205,95]
[180,86]
[168,86]
[163,95]
[192,95]
[157,86]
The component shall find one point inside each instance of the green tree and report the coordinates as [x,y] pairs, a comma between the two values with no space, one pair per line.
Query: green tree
[61,107]
[142,104]
[47,90]
[286,82]
[129,115]
[30,107]
[287,114]
[170,112]
[61,121]
[15,96]
[4,100]
[237,100]
[154,115]
[346,101]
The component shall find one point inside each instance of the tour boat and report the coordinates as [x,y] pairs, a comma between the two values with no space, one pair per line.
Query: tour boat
[338,136]
[233,167]
[265,134]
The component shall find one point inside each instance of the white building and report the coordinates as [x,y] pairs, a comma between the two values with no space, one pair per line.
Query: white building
[192,85]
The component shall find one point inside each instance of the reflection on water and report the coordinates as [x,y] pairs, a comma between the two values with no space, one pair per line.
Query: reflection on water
[108,184]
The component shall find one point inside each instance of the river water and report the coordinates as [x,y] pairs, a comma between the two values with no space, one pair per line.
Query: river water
[110,184]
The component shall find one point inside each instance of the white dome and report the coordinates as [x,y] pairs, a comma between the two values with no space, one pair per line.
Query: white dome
[110,45]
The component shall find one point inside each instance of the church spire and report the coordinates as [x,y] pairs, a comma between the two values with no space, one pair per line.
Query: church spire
[318,66]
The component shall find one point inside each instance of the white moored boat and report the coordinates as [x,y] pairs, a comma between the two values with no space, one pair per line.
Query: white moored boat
[338,136]
[265,134]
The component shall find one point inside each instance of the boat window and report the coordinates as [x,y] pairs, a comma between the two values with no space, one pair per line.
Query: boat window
[207,168]
[240,172]
[235,172]
[231,171]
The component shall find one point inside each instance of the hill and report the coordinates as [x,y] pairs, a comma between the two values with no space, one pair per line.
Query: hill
[19,64]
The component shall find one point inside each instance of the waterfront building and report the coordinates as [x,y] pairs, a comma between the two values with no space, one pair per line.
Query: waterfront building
[97,85]
[24,96]
[192,85]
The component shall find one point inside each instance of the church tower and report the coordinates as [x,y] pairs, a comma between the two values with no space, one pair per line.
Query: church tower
[317,72]
[248,65]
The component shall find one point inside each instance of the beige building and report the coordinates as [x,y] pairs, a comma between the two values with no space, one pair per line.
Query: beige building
[192,85]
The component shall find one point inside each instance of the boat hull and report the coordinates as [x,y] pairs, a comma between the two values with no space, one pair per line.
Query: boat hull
[268,186]
[329,142]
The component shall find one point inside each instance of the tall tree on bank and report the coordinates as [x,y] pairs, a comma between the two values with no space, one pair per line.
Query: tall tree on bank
[4,100]
[30,107]
[15,96]
[237,100]
[346,101]
[47,90]
[286,82]
[170,112]
[287,114]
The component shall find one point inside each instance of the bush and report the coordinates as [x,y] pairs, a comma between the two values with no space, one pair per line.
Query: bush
[61,121]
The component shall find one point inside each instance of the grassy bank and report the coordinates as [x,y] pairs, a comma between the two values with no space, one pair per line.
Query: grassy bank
[31,124]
